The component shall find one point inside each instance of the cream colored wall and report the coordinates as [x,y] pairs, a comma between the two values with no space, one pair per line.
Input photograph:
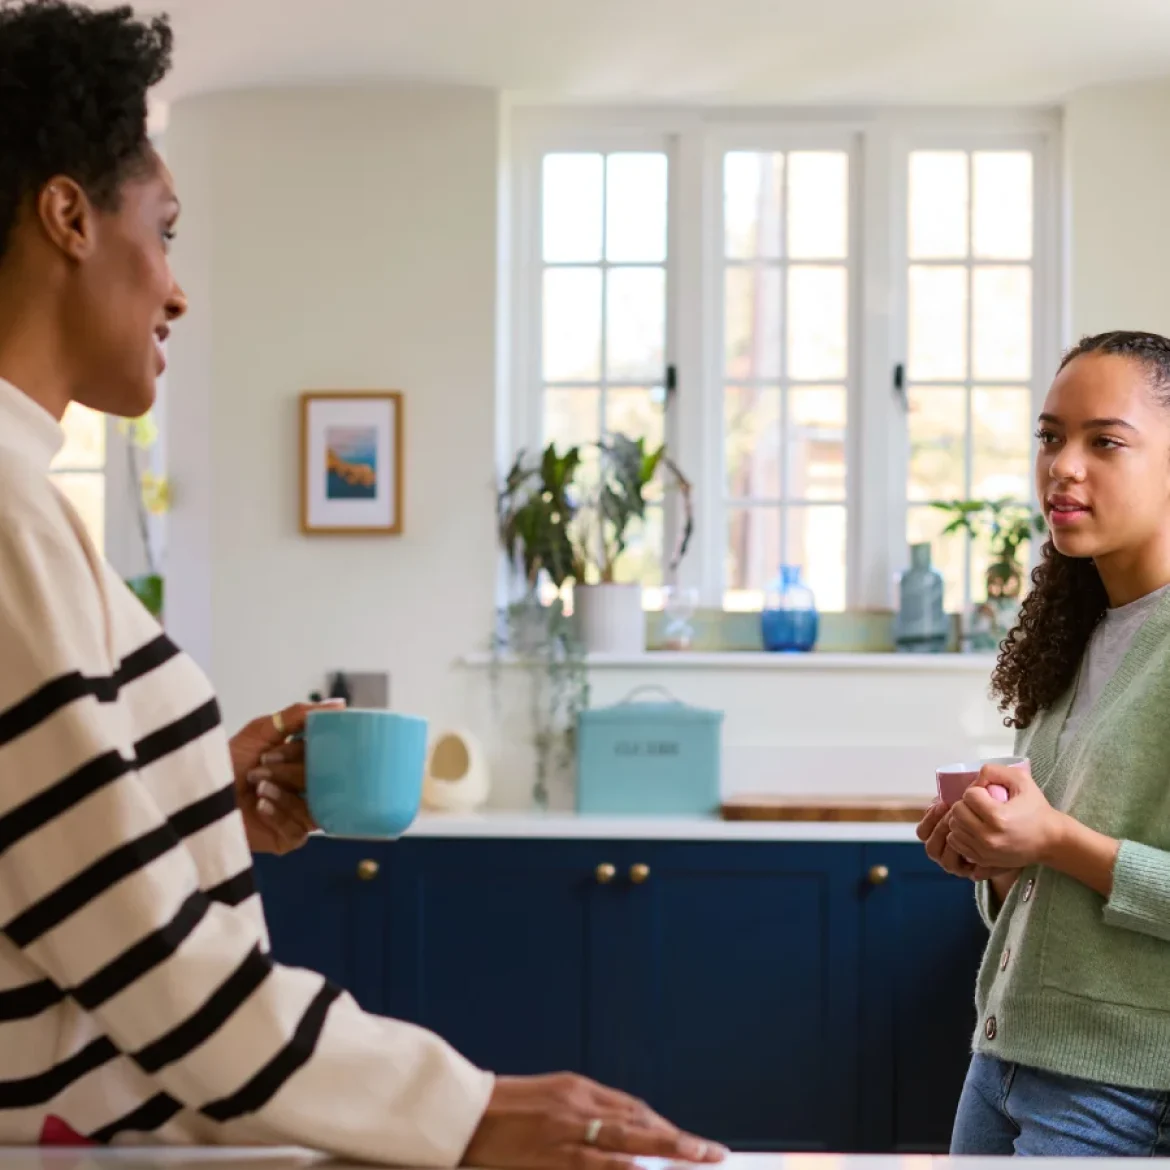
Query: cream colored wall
[1117,151]
[332,240]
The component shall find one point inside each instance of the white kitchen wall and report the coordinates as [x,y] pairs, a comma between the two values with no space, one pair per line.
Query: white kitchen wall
[1117,151]
[339,239]
[332,240]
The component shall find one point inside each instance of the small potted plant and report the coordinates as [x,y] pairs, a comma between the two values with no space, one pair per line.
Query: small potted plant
[1007,526]
[609,612]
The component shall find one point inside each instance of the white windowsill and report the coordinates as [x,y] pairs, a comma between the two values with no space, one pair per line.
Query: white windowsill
[980,664]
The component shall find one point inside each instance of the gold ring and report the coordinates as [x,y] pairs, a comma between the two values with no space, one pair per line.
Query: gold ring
[278,723]
[592,1130]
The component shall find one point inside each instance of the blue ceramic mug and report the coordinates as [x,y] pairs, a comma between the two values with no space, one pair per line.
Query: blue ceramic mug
[364,771]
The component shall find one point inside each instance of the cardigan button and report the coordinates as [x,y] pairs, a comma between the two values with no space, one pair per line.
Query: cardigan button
[990,1029]
[1007,954]
[1029,886]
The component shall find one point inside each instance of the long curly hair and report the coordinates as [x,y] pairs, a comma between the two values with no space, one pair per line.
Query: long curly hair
[1038,660]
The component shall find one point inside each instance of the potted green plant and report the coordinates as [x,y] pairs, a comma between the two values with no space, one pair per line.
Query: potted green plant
[560,523]
[609,612]
[1008,526]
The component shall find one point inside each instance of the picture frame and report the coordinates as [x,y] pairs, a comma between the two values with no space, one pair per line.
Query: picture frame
[351,462]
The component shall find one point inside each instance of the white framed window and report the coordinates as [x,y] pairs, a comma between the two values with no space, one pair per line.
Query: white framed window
[604,268]
[835,322]
[786,378]
[977,349]
[79,469]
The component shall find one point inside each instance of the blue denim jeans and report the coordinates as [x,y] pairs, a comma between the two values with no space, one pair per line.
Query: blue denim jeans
[1009,1109]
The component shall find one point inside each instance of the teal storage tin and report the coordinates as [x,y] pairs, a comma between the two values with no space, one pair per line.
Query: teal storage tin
[649,758]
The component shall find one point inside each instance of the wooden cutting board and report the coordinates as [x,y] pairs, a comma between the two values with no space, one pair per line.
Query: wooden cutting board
[817,808]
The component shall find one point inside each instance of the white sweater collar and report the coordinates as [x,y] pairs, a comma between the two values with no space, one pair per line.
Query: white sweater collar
[27,428]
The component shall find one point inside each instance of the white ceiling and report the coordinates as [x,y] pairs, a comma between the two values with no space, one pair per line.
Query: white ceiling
[839,52]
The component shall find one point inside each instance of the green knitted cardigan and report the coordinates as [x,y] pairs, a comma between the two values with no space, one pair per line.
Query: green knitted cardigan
[1073,982]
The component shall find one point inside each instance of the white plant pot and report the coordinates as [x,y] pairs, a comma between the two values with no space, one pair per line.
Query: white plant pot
[610,618]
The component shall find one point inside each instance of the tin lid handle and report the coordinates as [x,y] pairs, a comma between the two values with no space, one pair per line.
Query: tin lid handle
[651,689]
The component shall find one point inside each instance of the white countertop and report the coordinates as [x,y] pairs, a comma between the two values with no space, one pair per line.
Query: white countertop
[292,1159]
[568,825]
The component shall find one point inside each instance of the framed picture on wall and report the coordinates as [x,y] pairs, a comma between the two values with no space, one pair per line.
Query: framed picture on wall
[351,462]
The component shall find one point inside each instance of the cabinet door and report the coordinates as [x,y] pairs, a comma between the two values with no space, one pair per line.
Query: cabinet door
[923,941]
[492,946]
[324,906]
[743,964]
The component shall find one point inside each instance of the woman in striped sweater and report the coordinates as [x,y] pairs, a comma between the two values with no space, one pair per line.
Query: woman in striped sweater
[138,1001]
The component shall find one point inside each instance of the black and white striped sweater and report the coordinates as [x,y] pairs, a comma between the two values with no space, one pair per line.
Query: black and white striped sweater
[138,1001]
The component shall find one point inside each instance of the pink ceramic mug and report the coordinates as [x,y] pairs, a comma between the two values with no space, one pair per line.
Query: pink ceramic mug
[954,779]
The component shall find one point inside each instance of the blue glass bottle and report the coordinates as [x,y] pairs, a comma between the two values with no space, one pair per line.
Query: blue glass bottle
[789,619]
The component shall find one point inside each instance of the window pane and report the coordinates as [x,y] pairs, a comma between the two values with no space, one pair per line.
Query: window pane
[635,207]
[636,412]
[753,556]
[818,204]
[816,541]
[636,323]
[938,323]
[752,436]
[1001,221]
[938,205]
[572,207]
[1002,323]
[938,422]
[752,314]
[753,192]
[85,439]
[817,322]
[572,324]
[86,491]
[1002,443]
[816,443]
[643,556]
[948,554]
[572,418]
[639,413]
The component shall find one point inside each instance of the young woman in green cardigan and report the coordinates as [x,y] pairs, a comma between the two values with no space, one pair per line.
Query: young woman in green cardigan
[1072,1051]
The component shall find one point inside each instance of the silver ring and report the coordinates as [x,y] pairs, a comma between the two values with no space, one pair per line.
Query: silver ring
[592,1131]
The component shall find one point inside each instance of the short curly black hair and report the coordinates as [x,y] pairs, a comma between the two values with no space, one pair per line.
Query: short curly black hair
[73,86]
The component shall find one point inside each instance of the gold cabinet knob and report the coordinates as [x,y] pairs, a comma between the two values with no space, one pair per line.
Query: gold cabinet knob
[605,873]
[639,873]
[878,875]
[367,870]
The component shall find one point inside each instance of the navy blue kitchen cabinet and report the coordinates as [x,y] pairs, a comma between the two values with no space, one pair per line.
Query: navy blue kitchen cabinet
[738,955]
[326,911]
[922,943]
[771,995]
[511,950]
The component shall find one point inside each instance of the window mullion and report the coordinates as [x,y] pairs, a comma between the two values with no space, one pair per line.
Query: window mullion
[696,410]
[877,422]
